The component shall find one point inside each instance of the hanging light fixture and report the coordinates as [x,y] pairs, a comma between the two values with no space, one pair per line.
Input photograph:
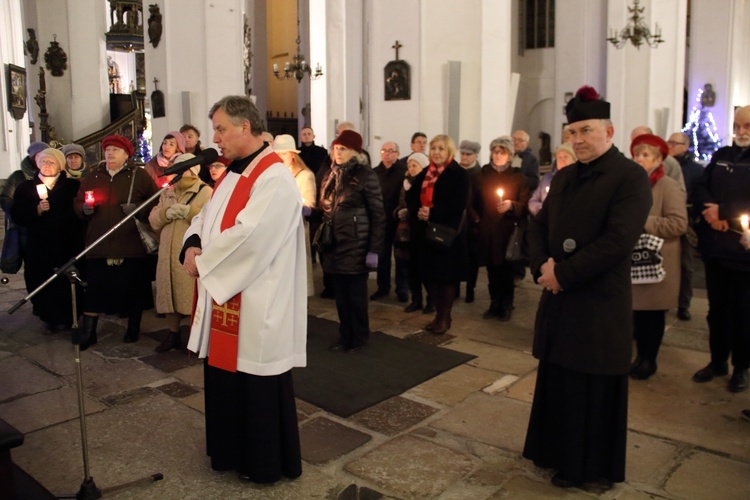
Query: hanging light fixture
[636,31]
[299,67]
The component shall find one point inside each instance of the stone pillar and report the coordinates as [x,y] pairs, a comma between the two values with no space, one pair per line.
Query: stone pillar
[496,110]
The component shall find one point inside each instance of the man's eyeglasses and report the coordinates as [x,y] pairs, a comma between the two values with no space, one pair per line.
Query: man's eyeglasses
[383,151]
[675,143]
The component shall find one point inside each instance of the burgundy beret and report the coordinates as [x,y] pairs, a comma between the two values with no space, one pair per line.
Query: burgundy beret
[349,139]
[651,140]
[118,141]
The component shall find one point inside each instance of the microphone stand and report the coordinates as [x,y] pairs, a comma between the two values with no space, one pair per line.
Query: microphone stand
[88,489]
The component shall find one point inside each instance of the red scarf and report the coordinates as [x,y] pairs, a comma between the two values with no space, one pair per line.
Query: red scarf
[428,184]
[656,174]
[223,344]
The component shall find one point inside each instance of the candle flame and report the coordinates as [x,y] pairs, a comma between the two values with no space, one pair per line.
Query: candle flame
[744,222]
[500,193]
[89,197]
[41,190]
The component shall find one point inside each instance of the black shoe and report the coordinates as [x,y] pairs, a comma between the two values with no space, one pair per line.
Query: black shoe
[378,295]
[635,364]
[337,347]
[403,297]
[709,372]
[559,481]
[493,311]
[746,415]
[429,308]
[414,306]
[173,341]
[469,295]
[683,313]
[85,336]
[739,380]
[134,327]
[505,313]
[354,349]
[327,294]
[644,370]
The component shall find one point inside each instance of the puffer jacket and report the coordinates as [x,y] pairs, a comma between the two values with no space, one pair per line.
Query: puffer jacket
[28,171]
[352,201]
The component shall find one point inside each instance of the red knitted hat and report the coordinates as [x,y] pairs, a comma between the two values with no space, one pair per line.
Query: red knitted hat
[349,139]
[118,141]
[651,140]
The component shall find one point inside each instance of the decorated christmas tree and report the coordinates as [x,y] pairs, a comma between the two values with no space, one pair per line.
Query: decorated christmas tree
[701,127]
[143,151]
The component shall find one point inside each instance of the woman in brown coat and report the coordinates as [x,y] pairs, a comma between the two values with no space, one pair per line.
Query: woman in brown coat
[668,220]
[171,218]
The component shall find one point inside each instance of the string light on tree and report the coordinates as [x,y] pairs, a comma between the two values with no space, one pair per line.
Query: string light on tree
[701,127]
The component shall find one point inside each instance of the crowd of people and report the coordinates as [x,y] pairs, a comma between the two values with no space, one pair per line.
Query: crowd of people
[607,237]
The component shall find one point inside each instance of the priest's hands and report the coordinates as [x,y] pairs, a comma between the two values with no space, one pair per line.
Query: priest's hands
[189,264]
[548,279]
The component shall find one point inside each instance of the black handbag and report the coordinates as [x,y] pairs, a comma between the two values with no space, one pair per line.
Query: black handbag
[11,258]
[323,239]
[514,250]
[440,234]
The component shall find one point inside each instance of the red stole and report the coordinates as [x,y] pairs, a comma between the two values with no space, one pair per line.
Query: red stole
[223,344]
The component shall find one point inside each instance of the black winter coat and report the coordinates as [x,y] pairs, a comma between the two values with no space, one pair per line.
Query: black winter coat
[354,205]
[439,264]
[600,210]
[726,181]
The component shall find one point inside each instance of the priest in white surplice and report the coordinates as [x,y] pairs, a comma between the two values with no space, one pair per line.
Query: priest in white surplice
[247,249]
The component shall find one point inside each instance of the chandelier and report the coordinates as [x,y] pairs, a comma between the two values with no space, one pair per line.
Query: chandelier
[299,67]
[636,31]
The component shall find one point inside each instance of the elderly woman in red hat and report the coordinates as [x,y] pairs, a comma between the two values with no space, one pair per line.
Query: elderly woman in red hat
[117,275]
[666,220]
[171,147]
[354,222]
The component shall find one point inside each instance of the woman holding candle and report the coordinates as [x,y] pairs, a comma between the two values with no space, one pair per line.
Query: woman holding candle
[117,271]
[505,195]
[170,219]
[668,220]
[171,147]
[44,206]
[564,156]
[284,146]
[439,195]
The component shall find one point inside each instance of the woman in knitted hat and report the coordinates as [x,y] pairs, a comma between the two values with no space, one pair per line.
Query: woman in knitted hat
[117,268]
[668,220]
[505,195]
[438,196]
[351,235]
[284,146]
[44,206]
[171,147]
[75,161]
[564,156]
[171,219]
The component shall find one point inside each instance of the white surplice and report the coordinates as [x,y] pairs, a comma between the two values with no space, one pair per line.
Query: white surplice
[262,256]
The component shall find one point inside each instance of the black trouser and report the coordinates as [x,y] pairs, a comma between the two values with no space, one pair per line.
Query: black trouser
[686,274]
[415,277]
[728,314]
[351,304]
[471,282]
[384,266]
[648,330]
[500,282]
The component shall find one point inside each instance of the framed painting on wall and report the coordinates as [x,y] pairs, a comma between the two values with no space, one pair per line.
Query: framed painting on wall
[16,91]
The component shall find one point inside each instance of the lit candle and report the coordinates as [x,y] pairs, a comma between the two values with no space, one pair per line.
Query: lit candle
[546,189]
[41,190]
[500,194]
[744,222]
[89,198]
[275,68]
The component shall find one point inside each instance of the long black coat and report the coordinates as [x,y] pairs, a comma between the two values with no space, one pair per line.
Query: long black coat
[601,209]
[354,205]
[52,239]
[440,264]
[494,228]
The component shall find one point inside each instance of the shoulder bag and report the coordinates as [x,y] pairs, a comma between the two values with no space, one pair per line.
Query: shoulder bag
[148,237]
[646,260]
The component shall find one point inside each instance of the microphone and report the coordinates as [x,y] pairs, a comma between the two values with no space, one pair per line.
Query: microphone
[569,245]
[207,157]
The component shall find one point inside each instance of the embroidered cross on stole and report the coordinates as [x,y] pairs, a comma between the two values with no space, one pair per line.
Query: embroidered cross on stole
[225,318]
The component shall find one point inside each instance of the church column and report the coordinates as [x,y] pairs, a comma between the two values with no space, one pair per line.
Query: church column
[497,100]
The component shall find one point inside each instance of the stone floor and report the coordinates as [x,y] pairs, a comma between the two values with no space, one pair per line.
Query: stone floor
[458,435]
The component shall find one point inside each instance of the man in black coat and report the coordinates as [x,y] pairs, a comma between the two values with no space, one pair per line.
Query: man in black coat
[313,155]
[580,251]
[723,194]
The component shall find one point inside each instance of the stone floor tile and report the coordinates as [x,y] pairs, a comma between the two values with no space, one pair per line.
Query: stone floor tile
[192,374]
[649,459]
[196,401]
[178,390]
[495,358]
[306,408]
[453,386]
[523,389]
[44,409]
[430,338]
[705,475]
[323,440]
[58,356]
[21,378]
[119,376]
[413,467]
[462,490]
[497,421]
[171,361]
[525,487]
[394,416]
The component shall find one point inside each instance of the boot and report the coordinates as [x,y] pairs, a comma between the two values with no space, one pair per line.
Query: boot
[173,341]
[86,334]
[493,311]
[429,306]
[134,327]
[447,295]
[506,309]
